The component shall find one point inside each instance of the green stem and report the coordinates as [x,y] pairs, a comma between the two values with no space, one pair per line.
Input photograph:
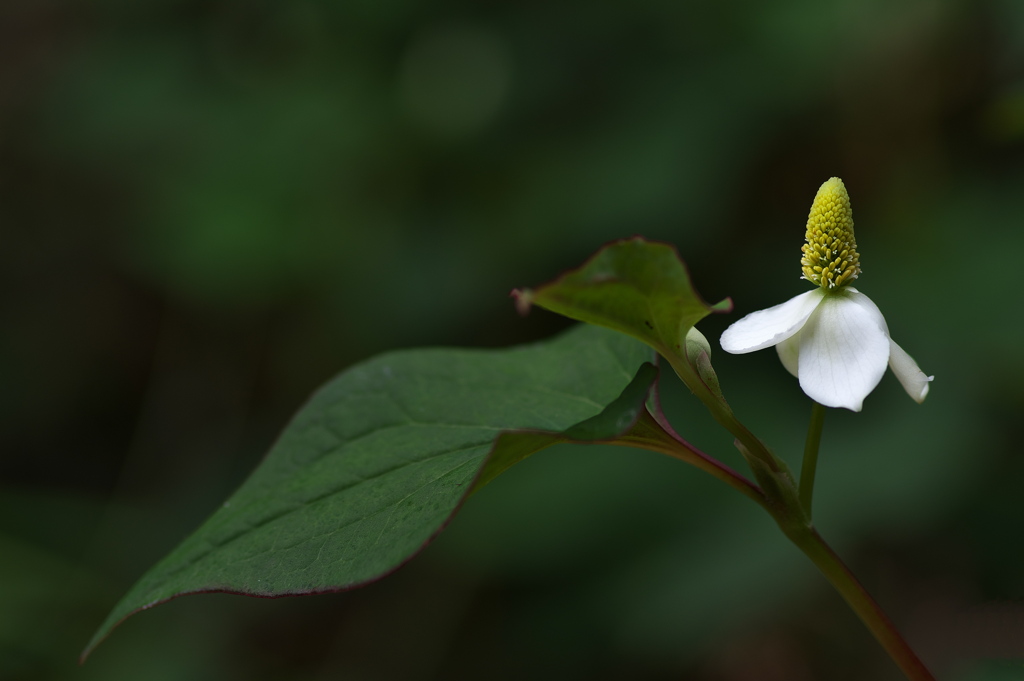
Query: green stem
[810,464]
[791,509]
[811,543]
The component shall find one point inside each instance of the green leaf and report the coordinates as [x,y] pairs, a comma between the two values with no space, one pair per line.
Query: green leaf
[635,286]
[378,461]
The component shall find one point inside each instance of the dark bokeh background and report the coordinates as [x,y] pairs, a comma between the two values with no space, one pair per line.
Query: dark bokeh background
[208,208]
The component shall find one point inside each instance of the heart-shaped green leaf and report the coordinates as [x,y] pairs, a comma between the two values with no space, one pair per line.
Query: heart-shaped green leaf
[378,461]
[635,286]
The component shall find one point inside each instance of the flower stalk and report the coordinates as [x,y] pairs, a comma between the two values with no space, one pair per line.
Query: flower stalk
[810,463]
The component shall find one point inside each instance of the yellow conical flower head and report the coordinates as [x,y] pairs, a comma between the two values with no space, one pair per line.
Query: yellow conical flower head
[830,257]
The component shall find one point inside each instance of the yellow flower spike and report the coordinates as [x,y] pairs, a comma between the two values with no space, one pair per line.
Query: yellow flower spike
[830,257]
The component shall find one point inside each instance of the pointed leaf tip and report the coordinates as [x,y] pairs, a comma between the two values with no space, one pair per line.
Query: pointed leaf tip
[723,306]
[523,299]
[380,459]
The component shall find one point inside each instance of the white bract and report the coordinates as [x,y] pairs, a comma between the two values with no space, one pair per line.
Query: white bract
[836,343]
[833,338]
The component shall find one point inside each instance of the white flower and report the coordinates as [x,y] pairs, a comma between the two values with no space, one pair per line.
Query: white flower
[836,342]
[834,339]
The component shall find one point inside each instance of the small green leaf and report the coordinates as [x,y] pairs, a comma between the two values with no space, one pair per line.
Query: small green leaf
[635,286]
[378,461]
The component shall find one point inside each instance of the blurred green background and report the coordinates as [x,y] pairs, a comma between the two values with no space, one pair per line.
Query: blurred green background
[210,207]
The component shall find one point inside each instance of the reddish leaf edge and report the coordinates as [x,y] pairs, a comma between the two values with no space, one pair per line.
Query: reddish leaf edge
[557,438]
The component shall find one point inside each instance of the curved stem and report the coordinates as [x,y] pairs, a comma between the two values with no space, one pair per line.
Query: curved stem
[857,597]
[791,509]
[810,463]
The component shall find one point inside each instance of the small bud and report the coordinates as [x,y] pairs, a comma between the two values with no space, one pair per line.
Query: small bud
[696,343]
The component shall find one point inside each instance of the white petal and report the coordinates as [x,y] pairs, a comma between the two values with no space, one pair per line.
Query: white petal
[911,377]
[843,351]
[869,305]
[765,328]
[789,353]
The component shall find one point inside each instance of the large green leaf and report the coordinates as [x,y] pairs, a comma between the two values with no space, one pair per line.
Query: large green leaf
[378,461]
[635,286]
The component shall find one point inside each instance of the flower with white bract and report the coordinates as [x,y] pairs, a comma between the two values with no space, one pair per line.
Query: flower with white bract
[834,339]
